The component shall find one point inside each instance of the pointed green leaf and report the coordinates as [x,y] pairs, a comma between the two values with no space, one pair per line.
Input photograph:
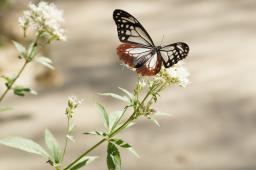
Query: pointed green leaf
[130,125]
[95,133]
[71,138]
[82,162]
[31,52]
[116,96]
[47,62]
[154,120]
[8,81]
[104,115]
[162,114]
[114,119]
[53,147]
[20,48]
[131,96]
[125,145]
[113,157]
[21,91]
[71,128]
[26,145]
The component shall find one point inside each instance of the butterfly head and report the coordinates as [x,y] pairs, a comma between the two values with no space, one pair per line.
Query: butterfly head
[157,48]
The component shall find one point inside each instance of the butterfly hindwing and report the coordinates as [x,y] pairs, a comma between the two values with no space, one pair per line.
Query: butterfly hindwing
[130,30]
[173,53]
[145,61]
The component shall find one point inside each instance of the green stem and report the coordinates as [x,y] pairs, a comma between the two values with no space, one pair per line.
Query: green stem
[66,141]
[14,80]
[85,153]
[20,71]
[130,119]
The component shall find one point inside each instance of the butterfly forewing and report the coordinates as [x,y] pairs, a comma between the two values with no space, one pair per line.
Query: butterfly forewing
[130,30]
[173,53]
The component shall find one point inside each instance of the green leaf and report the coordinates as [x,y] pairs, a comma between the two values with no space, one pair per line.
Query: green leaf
[53,147]
[95,133]
[71,128]
[114,119]
[32,51]
[21,91]
[129,125]
[20,48]
[8,81]
[71,138]
[104,115]
[82,162]
[162,114]
[116,96]
[131,96]
[26,145]
[47,62]
[113,157]
[154,120]
[125,145]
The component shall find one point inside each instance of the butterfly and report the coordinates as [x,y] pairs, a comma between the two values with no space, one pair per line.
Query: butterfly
[138,50]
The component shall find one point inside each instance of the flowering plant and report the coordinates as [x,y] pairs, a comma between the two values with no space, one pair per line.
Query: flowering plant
[45,20]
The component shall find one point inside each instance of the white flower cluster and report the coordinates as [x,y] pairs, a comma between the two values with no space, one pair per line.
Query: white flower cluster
[74,101]
[44,17]
[179,74]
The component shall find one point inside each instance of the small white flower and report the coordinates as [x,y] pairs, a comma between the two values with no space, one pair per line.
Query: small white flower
[75,101]
[44,17]
[179,74]
[142,83]
[23,22]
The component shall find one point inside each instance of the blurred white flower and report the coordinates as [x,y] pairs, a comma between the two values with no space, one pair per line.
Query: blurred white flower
[142,83]
[178,74]
[74,101]
[44,17]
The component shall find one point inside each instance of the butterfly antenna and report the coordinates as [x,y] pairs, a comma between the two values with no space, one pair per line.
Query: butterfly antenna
[162,40]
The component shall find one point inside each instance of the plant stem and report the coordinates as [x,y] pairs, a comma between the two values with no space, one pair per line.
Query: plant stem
[66,141]
[14,80]
[21,70]
[131,118]
[85,153]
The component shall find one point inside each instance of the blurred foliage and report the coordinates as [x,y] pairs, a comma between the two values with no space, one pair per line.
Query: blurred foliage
[4,4]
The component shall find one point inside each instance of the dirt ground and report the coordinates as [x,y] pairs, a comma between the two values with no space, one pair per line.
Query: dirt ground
[214,119]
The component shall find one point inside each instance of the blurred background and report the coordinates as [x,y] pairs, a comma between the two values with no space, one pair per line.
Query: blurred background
[214,119]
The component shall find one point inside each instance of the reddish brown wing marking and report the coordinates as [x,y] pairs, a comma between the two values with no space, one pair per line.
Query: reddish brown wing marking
[147,69]
[124,56]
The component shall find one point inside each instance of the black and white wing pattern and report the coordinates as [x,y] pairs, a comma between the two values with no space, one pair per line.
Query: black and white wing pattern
[144,61]
[138,51]
[173,53]
[130,30]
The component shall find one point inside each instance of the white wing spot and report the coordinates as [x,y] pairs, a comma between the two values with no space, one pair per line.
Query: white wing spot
[128,32]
